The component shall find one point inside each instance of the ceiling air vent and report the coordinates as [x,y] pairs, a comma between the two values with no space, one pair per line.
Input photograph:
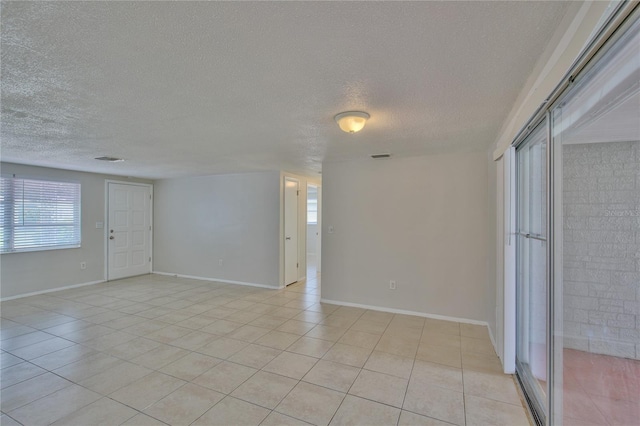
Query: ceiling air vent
[110,159]
[378,156]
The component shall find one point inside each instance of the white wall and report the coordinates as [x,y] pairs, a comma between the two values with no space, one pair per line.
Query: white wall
[235,217]
[23,273]
[421,221]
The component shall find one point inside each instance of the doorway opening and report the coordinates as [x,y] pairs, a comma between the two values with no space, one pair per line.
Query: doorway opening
[313,232]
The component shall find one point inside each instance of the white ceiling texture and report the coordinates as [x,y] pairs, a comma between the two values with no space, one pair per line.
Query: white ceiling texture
[195,88]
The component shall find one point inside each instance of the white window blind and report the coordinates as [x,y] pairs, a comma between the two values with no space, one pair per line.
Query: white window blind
[38,215]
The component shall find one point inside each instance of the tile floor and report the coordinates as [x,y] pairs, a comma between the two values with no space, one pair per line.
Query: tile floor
[156,350]
[600,389]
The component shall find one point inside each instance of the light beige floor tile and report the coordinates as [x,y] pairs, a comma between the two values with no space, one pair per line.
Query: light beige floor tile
[168,334]
[110,340]
[277,339]
[143,420]
[248,333]
[398,345]
[223,347]
[146,391]
[63,357]
[360,338]
[41,348]
[408,418]
[25,340]
[255,356]
[349,355]
[104,412]
[87,367]
[338,321]
[232,411]
[19,373]
[408,334]
[30,390]
[310,316]
[445,355]
[5,420]
[7,360]
[291,365]
[473,330]
[268,321]
[265,389]
[191,366]
[380,387]
[441,326]
[324,332]
[371,327]
[434,401]
[145,328]
[222,327]
[87,333]
[184,405]
[194,340]
[483,346]
[354,411]
[332,375]
[160,356]
[481,411]
[310,347]
[123,321]
[277,419]
[311,403]
[296,327]
[225,377]
[437,374]
[243,317]
[286,312]
[59,404]
[115,377]
[440,339]
[387,363]
[500,387]
[481,362]
[133,348]
[197,322]
[324,308]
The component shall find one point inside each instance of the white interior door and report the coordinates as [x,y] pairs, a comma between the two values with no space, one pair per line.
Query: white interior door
[129,230]
[291,191]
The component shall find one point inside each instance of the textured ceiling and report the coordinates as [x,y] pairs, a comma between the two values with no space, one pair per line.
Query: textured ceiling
[192,88]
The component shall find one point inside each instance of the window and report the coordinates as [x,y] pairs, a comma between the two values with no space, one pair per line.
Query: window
[38,215]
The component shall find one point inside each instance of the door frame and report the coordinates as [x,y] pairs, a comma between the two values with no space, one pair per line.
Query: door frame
[106,222]
[285,178]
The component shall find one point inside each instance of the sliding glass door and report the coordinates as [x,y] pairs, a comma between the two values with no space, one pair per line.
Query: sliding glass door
[532,290]
[578,245]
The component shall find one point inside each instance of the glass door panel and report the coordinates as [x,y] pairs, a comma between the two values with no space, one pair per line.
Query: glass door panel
[531,281]
[596,139]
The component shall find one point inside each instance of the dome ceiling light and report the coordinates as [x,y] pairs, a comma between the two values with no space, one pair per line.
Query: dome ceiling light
[352,121]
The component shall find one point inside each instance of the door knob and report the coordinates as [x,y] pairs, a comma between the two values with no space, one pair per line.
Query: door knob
[287,238]
[111,237]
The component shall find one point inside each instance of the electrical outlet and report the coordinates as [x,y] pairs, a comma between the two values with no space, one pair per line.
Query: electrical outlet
[392,285]
[220,262]
[83,265]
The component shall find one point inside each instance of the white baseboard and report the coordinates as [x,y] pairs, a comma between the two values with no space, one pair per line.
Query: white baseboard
[216,280]
[405,312]
[52,290]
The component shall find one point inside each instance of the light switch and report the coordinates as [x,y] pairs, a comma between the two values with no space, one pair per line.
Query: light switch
[331,229]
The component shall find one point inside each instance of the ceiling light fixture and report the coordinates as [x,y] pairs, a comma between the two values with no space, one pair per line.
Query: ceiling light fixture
[352,121]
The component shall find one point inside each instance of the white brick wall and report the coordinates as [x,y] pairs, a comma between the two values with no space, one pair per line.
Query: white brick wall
[601,192]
